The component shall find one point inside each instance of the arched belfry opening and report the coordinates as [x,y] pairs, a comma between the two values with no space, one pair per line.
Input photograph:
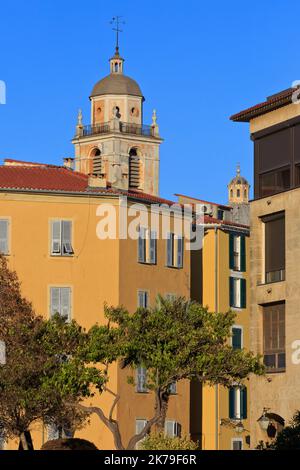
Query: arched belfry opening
[97,161]
[134,168]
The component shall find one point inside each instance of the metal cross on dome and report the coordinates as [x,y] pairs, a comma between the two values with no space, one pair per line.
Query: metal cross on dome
[116,22]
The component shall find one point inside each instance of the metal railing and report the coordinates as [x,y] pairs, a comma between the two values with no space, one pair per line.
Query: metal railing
[125,127]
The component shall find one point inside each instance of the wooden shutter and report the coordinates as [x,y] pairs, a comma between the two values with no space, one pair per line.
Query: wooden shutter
[153,247]
[231,291]
[236,338]
[134,171]
[54,300]
[4,236]
[170,247]
[243,292]
[179,252]
[231,395]
[65,302]
[67,237]
[231,251]
[243,395]
[274,242]
[56,237]
[142,245]
[243,253]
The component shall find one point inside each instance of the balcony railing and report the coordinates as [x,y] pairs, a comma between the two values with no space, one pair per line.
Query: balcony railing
[124,127]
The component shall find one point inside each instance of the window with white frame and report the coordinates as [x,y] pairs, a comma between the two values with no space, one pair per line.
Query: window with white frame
[143,299]
[172,428]
[4,224]
[61,238]
[147,246]
[141,379]
[173,388]
[236,444]
[174,251]
[60,302]
[171,297]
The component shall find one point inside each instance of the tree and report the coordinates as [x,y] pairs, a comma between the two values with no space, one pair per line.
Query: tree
[175,340]
[289,437]
[161,442]
[44,376]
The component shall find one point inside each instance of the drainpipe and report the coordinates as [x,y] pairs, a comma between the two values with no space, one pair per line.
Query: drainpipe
[216,310]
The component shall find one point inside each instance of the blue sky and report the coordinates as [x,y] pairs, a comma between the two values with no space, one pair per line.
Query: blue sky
[197,63]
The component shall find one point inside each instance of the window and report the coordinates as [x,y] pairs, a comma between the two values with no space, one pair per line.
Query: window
[4,236]
[236,444]
[139,426]
[97,162]
[237,292]
[141,380]
[147,246]
[274,336]
[60,301]
[174,251]
[238,192]
[61,238]
[172,428]
[173,388]
[220,214]
[274,182]
[238,402]
[274,247]
[237,252]
[143,299]
[58,432]
[237,337]
[171,297]
[134,169]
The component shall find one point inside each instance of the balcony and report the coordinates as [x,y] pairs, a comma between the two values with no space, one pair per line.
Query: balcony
[113,126]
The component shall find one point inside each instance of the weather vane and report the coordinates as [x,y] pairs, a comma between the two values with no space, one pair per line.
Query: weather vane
[116,22]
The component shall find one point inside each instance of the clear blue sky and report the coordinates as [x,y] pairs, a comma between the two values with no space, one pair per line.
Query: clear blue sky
[197,63]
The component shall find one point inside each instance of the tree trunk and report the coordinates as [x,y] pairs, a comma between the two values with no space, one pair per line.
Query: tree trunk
[160,425]
[25,441]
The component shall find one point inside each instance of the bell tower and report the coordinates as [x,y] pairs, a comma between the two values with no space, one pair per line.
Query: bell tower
[117,149]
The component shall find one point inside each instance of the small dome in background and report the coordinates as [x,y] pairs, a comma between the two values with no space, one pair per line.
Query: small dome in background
[238,189]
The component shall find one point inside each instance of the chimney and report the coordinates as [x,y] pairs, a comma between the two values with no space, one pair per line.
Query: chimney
[69,163]
[96,181]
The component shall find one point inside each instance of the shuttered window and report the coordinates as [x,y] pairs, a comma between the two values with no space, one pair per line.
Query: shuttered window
[61,238]
[237,402]
[4,236]
[237,252]
[153,247]
[274,247]
[237,292]
[60,302]
[139,426]
[237,337]
[274,336]
[175,249]
[143,299]
[141,380]
[147,246]
[237,444]
[172,388]
[134,169]
[172,428]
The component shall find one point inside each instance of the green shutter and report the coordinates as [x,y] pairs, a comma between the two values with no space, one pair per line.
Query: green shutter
[244,403]
[231,292]
[231,395]
[243,253]
[236,338]
[243,293]
[231,249]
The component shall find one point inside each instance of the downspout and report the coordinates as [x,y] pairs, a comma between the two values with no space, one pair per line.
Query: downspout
[216,310]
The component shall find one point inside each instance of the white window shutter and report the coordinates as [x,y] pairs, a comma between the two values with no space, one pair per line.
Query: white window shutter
[56,237]
[4,236]
[170,244]
[139,425]
[141,378]
[65,300]
[179,252]
[143,299]
[153,244]
[67,237]
[169,428]
[54,300]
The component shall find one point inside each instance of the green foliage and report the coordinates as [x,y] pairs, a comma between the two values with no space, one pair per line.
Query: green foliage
[174,340]
[289,437]
[162,442]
